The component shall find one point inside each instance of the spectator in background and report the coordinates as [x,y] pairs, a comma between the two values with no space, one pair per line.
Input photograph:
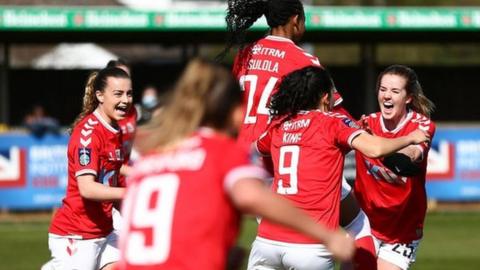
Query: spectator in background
[39,123]
[149,104]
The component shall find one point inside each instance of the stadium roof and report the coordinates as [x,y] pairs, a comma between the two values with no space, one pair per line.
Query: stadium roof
[206,24]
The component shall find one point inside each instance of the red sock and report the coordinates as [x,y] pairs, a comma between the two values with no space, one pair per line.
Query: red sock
[365,255]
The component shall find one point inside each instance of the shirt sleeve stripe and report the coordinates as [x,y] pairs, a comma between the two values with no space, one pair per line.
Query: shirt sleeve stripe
[247,171]
[85,171]
[354,135]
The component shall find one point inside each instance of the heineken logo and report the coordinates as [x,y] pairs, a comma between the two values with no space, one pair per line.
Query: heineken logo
[23,18]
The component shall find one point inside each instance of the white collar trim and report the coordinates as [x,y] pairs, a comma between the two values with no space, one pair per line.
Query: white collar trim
[277,38]
[399,126]
[104,122]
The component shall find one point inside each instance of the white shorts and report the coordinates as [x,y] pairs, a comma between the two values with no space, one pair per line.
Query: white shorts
[268,254]
[346,188]
[359,227]
[75,253]
[399,254]
[117,219]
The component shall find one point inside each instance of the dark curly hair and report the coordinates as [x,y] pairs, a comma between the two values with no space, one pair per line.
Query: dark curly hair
[301,90]
[242,14]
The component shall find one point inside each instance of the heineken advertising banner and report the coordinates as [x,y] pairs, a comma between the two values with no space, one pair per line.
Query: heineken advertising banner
[213,19]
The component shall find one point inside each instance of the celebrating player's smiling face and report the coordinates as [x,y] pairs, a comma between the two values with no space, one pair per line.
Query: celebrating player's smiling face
[116,99]
[393,99]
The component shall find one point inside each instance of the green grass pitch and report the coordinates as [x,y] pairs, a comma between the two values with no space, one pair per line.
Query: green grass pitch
[451,241]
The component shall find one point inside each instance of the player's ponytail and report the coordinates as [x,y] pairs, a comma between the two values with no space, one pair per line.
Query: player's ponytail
[420,103]
[242,14]
[97,81]
[90,101]
[204,95]
[301,90]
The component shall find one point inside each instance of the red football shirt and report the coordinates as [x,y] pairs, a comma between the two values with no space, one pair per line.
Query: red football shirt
[94,148]
[178,213]
[128,126]
[308,153]
[396,211]
[259,69]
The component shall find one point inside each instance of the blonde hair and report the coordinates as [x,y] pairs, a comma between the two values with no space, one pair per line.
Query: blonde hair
[420,103]
[204,95]
[97,81]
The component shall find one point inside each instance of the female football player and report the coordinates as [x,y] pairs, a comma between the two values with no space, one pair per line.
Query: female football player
[80,235]
[394,197]
[181,207]
[260,66]
[307,145]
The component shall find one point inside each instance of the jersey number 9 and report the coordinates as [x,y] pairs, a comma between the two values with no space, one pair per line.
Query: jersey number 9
[293,152]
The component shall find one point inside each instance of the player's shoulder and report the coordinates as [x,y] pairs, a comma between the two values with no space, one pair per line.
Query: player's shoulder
[89,125]
[336,118]
[422,122]
[373,117]
[295,54]
[330,115]
[420,118]
[216,143]
[302,57]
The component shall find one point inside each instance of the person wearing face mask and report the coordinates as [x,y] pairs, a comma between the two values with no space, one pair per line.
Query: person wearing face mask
[148,105]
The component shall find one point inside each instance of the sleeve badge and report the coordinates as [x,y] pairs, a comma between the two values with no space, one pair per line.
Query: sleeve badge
[84,156]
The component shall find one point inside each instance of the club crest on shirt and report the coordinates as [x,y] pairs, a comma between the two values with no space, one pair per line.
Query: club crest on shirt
[84,156]
[350,123]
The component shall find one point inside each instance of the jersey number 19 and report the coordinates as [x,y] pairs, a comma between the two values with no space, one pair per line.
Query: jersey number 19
[150,207]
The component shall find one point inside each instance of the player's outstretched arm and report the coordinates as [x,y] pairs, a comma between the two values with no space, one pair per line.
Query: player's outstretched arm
[251,196]
[92,190]
[375,146]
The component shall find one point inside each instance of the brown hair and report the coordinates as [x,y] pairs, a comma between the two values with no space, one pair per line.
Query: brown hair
[97,81]
[205,95]
[420,103]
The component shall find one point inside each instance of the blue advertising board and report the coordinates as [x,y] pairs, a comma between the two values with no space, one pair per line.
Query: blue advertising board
[33,171]
[453,172]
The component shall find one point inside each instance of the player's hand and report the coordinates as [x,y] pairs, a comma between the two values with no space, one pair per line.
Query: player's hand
[341,245]
[391,177]
[364,124]
[419,136]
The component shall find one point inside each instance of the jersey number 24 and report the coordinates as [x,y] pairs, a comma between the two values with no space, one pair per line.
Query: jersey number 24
[261,107]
